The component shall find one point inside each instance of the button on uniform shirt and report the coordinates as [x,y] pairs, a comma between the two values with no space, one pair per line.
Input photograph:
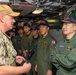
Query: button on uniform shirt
[7,51]
[64,57]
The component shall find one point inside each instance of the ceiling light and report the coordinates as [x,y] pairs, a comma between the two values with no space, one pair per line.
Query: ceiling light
[37,11]
[52,20]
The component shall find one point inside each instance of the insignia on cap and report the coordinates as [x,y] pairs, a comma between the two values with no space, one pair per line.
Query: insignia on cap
[42,21]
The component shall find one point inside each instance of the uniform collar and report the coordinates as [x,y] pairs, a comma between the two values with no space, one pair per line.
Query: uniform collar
[72,39]
[45,36]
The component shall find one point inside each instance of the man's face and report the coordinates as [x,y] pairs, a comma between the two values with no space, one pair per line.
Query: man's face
[34,32]
[11,33]
[44,29]
[20,31]
[8,22]
[26,29]
[68,28]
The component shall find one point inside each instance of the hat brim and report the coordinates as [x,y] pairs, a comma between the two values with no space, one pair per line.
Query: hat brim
[65,21]
[35,29]
[43,24]
[14,14]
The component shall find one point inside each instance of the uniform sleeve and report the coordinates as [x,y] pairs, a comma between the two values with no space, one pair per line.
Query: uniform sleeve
[15,44]
[50,47]
[53,58]
[24,43]
[68,61]
[2,52]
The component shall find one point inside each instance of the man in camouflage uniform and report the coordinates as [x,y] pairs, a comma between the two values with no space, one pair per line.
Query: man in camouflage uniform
[8,54]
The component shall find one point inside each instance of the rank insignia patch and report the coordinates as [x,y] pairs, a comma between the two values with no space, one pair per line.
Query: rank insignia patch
[69,48]
[44,43]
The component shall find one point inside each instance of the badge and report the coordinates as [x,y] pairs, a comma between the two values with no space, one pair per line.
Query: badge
[61,46]
[69,48]
[44,43]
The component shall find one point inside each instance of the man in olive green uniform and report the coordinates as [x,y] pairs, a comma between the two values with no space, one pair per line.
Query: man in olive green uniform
[64,57]
[26,39]
[33,48]
[18,39]
[43,50]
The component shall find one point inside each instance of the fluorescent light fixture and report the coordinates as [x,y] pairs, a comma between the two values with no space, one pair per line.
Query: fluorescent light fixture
[52,20]
[4,1]
[37,11]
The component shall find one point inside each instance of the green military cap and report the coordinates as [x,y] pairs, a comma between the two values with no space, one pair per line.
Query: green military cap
[71,18]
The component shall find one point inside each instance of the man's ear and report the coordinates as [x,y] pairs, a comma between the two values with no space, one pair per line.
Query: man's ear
[48,28]
[75,27]
[1,19]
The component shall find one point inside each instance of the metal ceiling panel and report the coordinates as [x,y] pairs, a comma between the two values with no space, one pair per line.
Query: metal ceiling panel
[25,10]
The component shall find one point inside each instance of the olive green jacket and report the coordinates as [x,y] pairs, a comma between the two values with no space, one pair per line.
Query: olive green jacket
[64,57]
[43,54]
[25,41]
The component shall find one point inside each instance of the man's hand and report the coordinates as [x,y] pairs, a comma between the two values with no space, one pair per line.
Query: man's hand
[27,66]
[36,68]
[19,59]
[49,72]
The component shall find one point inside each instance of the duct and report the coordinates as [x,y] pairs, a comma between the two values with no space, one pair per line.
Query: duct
[25,10]
[52,7]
